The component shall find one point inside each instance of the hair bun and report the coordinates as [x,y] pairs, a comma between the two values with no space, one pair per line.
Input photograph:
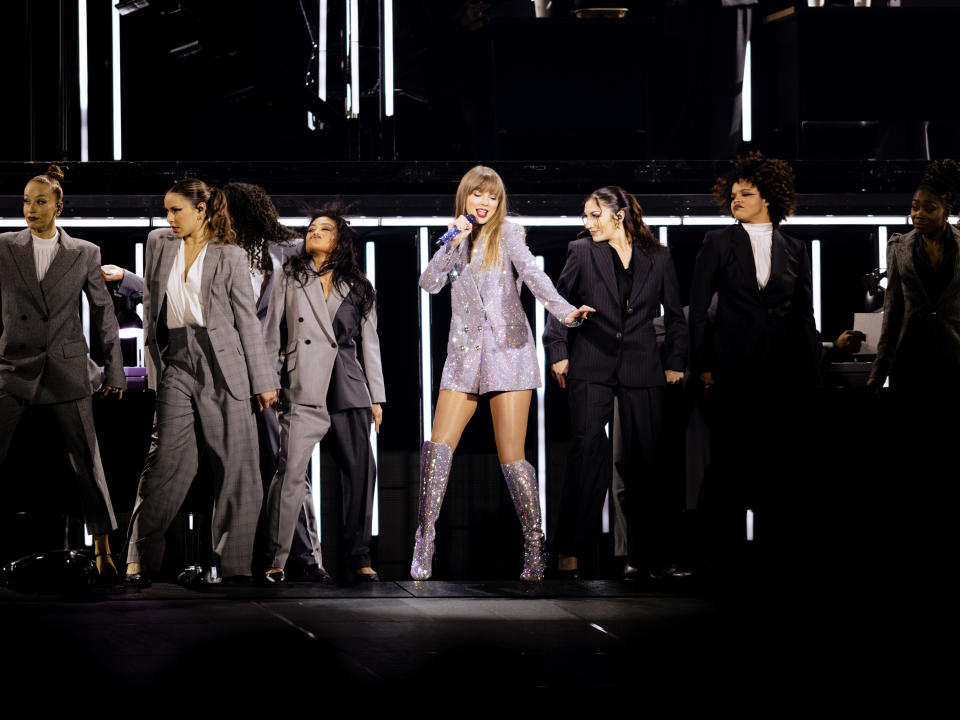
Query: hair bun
[54,172]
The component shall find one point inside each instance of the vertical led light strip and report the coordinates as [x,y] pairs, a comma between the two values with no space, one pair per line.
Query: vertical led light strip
[388,58]
[83,76]
[372,277]
[138,268]
[353,50]
[426,370]
[605,513]
[749,525]
[115,63]
[746,97]
[315,486]
[85,317]
[322,52]
[882,247]
[815,268]
[539,318]
[663,235]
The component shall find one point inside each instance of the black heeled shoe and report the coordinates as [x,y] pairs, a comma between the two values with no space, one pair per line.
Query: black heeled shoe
[361,577]
[316,574]
[108,575]
[140,580]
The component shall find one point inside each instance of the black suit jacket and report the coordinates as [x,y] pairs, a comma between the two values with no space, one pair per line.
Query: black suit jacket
[608,341]
[757,333]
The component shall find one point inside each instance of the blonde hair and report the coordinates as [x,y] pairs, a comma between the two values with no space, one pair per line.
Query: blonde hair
[484,179]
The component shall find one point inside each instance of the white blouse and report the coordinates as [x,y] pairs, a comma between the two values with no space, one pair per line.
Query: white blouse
[44,251]
[761,240]
[184,305]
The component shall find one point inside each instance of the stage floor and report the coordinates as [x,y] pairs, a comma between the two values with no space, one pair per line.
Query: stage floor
[394,643]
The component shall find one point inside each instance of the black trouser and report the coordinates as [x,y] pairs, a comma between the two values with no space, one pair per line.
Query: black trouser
[349,441]
[74,420]
[647,507]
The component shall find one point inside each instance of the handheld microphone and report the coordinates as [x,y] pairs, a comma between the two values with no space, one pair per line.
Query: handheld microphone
[454,231]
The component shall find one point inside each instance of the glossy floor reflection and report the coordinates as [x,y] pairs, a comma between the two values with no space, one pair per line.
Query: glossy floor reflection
[390,644]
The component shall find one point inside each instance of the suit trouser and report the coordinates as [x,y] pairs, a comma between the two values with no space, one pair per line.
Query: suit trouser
[589,469]
[74,419]
[301,428]
[191,394]
[349,441]
[306,545]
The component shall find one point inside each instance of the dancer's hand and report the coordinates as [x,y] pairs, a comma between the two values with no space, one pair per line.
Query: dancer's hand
[673,377]
[110,390]
[111,273]
[377,416]
[581,313]
[560,369]
[267,399]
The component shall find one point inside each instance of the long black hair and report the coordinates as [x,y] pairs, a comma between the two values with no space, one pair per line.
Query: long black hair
[255,221]
[347,274]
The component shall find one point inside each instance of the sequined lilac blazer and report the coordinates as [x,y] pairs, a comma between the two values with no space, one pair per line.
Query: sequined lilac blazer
[490,346]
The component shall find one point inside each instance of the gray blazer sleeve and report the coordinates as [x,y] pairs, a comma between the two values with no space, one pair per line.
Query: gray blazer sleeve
[131,286]
[103,317]
[262,372]
[893,311]
[370,342]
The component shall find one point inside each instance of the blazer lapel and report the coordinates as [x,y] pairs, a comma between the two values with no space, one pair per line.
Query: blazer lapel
[603,261]
[744,254]
[954,287]
[642,269]
[22,251]
[163,264]
[778,262]
[335,300]
[314,293]
[210,262]
[65,258]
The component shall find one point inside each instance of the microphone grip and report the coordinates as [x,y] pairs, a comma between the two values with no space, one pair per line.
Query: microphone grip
[454,231]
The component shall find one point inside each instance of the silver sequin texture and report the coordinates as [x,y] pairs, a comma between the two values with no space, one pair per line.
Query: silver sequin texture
[522,482]
[435,462]
[490,346]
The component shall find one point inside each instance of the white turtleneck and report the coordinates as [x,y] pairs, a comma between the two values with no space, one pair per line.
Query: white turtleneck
[761,240]
[44,251]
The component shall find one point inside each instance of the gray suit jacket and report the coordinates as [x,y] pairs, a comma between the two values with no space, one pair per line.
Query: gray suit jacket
[353,386]
[300,329]
[907,307]
[229,312]
[43,355]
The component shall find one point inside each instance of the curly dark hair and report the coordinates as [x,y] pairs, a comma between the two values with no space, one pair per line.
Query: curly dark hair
[617,200]
[342,261]
[773,178]
[255,222]
[942,178]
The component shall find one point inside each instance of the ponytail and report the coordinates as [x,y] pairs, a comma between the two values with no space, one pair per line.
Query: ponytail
[619,200]
[217,215]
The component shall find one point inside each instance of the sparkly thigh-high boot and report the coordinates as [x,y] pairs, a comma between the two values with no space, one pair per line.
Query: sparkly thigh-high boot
[522,482]
[435,459]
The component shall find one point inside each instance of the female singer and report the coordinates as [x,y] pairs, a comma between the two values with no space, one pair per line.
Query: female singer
[43,354]
[623,272]
[205,346]
[758,360]
[490,350]
[323,306]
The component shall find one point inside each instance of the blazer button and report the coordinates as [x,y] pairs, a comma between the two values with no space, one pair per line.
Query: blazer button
[619,336]
[629,310]
[477,347]
[23,317]
[307,341]
[43,348]
[299,319]
[333,345]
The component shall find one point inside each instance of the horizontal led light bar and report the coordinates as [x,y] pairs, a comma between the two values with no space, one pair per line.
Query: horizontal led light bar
[83,222]
[847,220]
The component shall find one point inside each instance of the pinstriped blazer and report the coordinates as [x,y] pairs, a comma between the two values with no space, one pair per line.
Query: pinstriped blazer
[43,354]
[608,342]
[229,312]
